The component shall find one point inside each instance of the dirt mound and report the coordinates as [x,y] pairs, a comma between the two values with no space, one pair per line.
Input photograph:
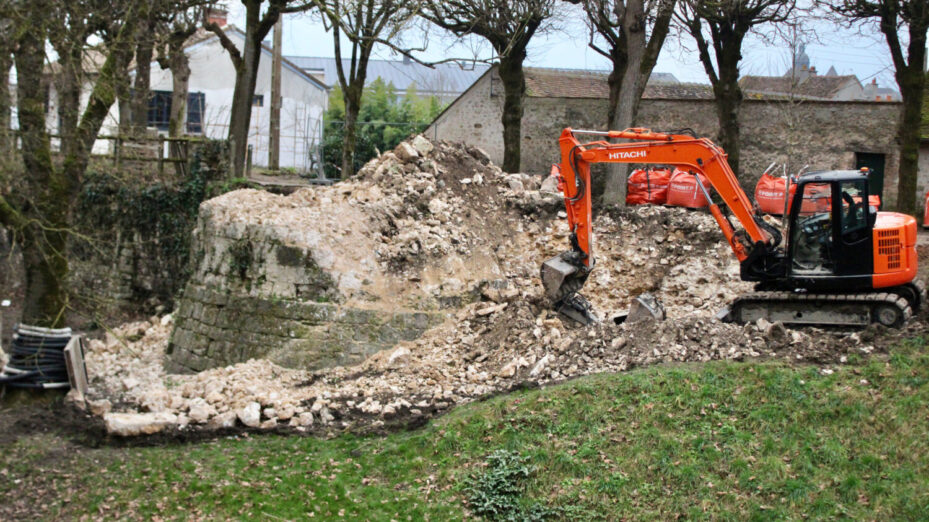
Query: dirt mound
[432,220]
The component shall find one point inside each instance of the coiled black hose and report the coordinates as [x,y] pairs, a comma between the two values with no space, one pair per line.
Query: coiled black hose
[37,358]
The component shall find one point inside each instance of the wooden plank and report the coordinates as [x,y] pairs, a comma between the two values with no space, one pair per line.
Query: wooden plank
[74,360]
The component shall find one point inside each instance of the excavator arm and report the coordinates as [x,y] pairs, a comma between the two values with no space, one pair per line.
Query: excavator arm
[565,274]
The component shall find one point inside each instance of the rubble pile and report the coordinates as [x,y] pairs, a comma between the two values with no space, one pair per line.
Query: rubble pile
[425,222]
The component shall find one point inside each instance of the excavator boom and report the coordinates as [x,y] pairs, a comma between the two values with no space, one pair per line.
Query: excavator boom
[564,275]
[829,251]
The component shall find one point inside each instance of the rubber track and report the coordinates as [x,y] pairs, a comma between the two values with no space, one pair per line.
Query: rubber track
[827,300]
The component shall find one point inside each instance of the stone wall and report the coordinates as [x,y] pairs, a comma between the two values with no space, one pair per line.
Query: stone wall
[216,328]
[822,134]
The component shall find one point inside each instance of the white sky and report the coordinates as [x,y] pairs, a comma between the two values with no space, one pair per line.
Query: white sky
[860,50]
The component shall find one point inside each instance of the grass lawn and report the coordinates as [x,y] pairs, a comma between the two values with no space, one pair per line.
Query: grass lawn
[714,441]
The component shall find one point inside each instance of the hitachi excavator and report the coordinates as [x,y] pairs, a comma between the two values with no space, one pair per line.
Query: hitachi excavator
[843,264]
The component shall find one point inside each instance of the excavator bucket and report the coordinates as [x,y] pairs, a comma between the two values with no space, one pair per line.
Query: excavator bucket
[556,272]
[561,279]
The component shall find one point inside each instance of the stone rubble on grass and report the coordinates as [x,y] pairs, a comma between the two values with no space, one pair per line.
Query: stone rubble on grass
[506,337]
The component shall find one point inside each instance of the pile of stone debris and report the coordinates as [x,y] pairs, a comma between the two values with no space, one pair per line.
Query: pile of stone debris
[420,206]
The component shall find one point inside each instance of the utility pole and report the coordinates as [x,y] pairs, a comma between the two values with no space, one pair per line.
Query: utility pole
[274,154]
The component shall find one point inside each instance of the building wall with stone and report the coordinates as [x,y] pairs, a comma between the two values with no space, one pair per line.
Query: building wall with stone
[821,134]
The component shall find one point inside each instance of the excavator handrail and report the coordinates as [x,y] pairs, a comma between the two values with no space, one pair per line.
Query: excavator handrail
[696,155]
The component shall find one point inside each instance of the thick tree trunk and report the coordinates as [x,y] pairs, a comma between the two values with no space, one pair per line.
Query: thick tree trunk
[626,77]
[43,249]
[246,76]
[728,105]
[514,87]
[6,62]
[911,89]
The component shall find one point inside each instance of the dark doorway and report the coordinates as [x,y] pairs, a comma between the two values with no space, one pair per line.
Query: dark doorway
[874,162]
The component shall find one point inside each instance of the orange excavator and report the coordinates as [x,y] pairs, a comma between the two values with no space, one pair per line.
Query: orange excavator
[844,263]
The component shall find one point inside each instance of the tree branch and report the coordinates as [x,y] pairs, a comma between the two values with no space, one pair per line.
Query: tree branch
[234,54]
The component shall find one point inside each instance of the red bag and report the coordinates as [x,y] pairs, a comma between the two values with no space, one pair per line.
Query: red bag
[926,212]
[648,186]
[684,192]
[769,193]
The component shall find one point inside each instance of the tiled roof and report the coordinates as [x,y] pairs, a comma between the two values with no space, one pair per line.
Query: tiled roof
[822,87]
[565,83]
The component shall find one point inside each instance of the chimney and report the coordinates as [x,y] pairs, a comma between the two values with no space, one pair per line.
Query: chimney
[874,81]
[217,15]
[812,70]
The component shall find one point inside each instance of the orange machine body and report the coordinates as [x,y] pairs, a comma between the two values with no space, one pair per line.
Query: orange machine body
[893,260]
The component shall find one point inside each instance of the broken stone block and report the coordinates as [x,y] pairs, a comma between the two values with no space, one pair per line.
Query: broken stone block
[399,357]
[200,411]
[250,415]
[132,424]
[223,420]
[405,152]
[100,407]
[422,145]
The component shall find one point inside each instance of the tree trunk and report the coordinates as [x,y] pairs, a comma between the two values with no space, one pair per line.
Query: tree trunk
[246,76]
[352,98]
[728,105]
[180,80]
[6,62]
[142,84]
[43,249]
[68,87]
[514,86]
[626,78]
[911,90]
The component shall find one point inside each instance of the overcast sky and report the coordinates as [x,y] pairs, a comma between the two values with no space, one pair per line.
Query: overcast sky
[860,50]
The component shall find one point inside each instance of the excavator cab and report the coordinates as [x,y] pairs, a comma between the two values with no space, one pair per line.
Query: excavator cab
[831,232]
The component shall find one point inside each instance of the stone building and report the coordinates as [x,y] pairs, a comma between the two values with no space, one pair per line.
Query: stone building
[824,134]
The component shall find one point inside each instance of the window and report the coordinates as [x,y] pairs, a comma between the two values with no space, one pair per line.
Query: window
[854,211]
[159,111]
[258,100]
[812,234]
[196,102]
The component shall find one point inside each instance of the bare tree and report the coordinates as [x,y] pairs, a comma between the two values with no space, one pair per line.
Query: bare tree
[508,25]
[719,28]
[245,61]
[633,32]
[364,23]
[903,23]
[39,212]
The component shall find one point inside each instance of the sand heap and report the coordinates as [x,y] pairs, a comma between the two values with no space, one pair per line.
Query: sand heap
[409,218]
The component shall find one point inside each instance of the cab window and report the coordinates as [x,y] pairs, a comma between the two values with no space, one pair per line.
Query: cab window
[854,210]
[812,233]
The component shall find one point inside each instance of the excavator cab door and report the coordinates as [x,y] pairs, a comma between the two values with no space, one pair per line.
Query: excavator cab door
[812,241]
[830,231]
[854,255]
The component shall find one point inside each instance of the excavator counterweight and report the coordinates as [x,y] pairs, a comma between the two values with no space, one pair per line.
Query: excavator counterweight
[843,262]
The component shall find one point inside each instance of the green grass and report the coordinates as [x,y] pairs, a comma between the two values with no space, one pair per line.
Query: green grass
[729,441]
